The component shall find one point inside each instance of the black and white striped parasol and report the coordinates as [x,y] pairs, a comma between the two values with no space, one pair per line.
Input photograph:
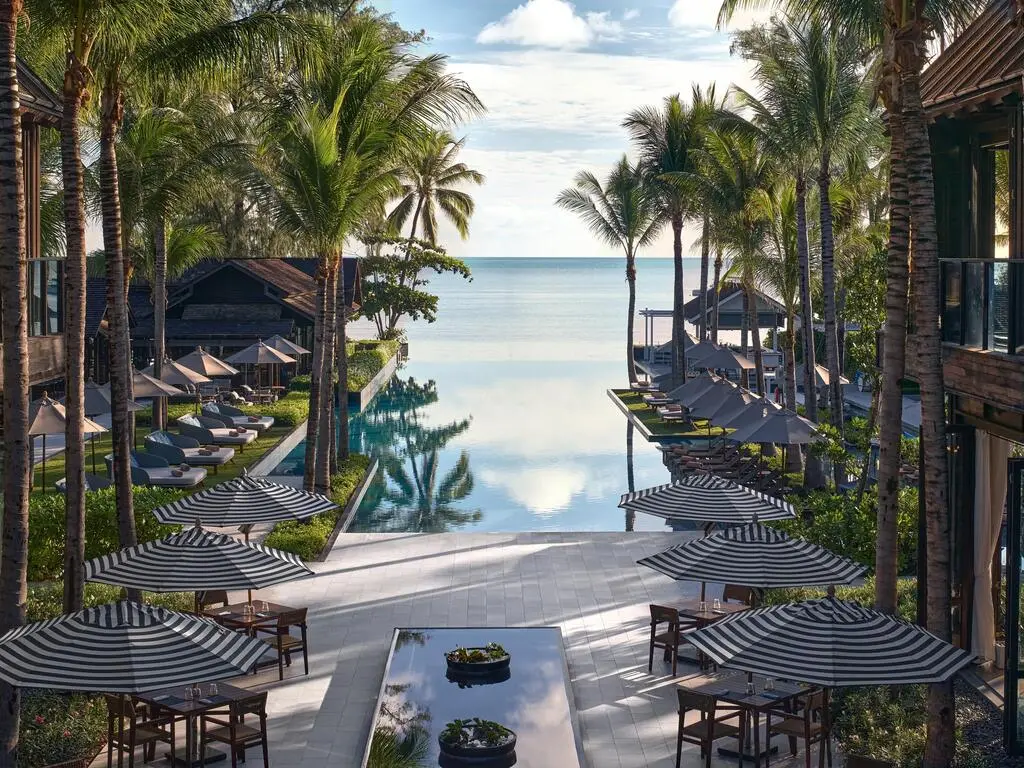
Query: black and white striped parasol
[124,647]
[755,556]
[708,499]
[196,560]
[829,642]
[244,501]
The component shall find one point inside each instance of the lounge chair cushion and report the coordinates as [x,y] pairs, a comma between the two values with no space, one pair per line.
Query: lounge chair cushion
[164,477]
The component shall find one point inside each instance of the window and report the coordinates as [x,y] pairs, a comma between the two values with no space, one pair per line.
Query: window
[44,297]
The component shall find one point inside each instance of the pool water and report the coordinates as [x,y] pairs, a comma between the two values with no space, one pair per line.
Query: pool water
[500,420]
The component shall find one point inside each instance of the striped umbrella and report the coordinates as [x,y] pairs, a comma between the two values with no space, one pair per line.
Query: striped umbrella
[709,499]
[196,560]
[831,643]
[124,647]
[244,501]
[755,556]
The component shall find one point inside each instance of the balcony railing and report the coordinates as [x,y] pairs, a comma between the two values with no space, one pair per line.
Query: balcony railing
[983,303]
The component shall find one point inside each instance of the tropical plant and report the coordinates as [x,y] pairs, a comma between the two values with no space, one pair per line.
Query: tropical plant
[430,175]
[17,446]
[625,211]
[666,139]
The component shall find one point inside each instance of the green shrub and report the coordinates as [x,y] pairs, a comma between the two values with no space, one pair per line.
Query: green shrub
[46,601]
[308,538]
[906,595]
[57,727]
[837,522]
[300,383]
[290,411]
[365,360]
[47,523]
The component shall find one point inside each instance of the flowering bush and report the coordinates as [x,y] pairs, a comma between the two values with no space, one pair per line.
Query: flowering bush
[56,727]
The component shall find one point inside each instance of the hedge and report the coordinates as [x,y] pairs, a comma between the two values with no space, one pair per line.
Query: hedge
[365,360]
[308,538]
[48,526]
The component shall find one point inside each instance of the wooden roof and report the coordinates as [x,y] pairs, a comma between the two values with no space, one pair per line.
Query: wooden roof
[37,98]
[983,65]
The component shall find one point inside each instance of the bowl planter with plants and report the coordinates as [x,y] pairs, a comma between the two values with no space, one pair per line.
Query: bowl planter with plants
[476,739]
[478,662]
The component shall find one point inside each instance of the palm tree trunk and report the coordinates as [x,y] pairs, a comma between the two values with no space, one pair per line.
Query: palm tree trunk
[806,308]
[120,369]
[893,365]
[678,300]
[341,358]
[715,288]
[159,315]
[315,374]
[705,254]
[813,473]
[745,336]
[631,312]
[828,282]
[325,438]
[755,329]
[17,444]
[794,459]
[939,746]
[75,81]
[869,431]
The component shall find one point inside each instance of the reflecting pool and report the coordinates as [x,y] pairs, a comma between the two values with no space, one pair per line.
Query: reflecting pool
[500,420]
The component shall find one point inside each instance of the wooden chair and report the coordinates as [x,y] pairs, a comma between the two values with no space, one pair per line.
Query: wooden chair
[738,594]
[233,731]
[714,724]
[810,723]
[284,643]
[130,726]
[668,638]
[212,597]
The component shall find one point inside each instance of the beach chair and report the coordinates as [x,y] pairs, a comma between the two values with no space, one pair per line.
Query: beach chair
[233,417]
[151,470]
[211,432]
[180,449]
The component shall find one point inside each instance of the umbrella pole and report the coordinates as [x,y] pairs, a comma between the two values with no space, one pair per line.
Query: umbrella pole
[44,463]
[92,444]
[703,587]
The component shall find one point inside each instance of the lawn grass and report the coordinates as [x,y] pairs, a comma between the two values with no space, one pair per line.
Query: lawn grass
[656,425]
[104,444]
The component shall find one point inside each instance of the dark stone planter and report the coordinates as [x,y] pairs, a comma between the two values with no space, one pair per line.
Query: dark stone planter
[479,755]
[465,680]
[478,668]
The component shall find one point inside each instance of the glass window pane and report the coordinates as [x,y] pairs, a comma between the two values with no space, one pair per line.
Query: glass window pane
[951,302]
[35,298]
[974,304]
[1000,325]
[53,297]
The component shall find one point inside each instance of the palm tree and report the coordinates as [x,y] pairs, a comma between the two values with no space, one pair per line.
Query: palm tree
[665,139]
[625,211]
[16,442]
[331,166]
[430,175]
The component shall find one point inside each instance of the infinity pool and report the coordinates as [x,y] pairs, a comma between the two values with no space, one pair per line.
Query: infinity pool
[500,420]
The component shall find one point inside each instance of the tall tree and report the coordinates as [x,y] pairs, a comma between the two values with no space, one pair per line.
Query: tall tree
[431,175]
[665,138]
[624,211]
[17,446]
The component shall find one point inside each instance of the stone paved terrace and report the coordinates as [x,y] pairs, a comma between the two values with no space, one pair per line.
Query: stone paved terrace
[586,583]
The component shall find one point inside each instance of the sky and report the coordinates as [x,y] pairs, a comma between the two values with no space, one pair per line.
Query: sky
[557,78]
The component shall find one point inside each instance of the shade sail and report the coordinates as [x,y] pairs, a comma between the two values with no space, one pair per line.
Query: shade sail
[144,385]
[196,560]
[244,501]
[124,647]
[755,556]
[709,499]
[782,427]
[829,642]
[48,417]
[202,361]
[259,354]
[178,375]
[288,347]
[725,359]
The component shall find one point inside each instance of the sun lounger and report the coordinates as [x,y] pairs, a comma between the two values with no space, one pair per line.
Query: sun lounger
[148,469]
[210,432]
[180,449]
[92,483]
[233,417]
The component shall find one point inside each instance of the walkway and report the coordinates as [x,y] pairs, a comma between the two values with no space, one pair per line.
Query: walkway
[586,583]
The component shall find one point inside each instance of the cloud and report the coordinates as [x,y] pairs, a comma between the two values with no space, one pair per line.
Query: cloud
[703,14]
[630,13]
[550,24]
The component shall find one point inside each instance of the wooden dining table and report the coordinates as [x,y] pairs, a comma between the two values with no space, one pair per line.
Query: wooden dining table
[234,617]
[691,609]
[173,701]
[730,687]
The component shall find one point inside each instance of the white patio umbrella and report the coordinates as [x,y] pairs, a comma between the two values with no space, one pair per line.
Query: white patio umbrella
[202,361]
[48,417]
[98,401]
[260,354]
[287,346]
[178,375]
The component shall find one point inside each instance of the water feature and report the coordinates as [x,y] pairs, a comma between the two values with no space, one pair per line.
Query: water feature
[499,421]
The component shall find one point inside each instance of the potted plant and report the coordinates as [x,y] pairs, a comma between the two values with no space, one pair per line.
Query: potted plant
[478,661]
[476,739]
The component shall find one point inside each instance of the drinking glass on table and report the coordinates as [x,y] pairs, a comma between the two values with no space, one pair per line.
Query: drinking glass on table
[213,690]
[188,693]
[717,605]
[197,691]
[264,606]
[702,606]
[769,683]
[247,611]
